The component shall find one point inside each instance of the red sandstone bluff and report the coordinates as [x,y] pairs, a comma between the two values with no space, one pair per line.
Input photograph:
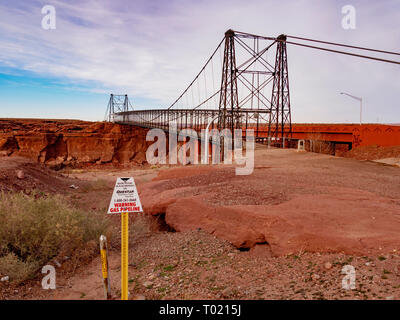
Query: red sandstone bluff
[59,143]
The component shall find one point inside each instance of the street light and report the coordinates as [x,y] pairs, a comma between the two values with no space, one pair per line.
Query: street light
[357,98]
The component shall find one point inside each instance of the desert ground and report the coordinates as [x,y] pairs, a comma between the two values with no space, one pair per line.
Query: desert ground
[283,232]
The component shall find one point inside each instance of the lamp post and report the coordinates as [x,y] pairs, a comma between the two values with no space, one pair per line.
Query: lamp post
[356,98]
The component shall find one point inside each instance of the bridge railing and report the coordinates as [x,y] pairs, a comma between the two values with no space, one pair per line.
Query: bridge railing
[196,119]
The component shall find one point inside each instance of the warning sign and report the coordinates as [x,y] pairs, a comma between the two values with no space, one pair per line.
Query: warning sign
[125,197]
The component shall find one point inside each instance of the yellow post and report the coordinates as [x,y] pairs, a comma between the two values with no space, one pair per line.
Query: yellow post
[124,255]
[104,267]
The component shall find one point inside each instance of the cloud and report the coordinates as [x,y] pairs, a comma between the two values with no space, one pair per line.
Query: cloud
[154,49]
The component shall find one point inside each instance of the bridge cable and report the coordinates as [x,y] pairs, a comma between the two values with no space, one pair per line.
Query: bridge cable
[344,45]
[259,54]
[343,52]
[244,35]
[197,74]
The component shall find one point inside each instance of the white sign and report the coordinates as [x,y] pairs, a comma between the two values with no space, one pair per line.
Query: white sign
[125,197]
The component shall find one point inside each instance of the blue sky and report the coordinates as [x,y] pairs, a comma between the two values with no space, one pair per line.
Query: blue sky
[152,49]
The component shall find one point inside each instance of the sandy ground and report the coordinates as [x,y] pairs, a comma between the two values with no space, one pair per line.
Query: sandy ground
[195,264]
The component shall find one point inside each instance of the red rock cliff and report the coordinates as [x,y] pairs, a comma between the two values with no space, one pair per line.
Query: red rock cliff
[73,143]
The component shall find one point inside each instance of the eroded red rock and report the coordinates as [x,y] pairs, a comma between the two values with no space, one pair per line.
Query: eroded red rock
[324,219]
[61,143]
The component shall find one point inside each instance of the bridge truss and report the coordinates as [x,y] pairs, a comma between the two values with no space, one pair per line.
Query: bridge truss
[253,91]
[118,104]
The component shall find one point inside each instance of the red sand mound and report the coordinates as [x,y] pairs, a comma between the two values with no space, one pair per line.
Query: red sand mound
[373,153]
[21,174]
[297,203]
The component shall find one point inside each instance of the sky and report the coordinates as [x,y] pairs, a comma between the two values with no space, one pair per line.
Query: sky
[151,50]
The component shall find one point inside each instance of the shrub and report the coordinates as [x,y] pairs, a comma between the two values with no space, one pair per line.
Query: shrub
[15,268]
[33,230]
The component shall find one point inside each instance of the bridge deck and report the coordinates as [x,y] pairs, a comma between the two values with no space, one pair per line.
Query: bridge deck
[352,134]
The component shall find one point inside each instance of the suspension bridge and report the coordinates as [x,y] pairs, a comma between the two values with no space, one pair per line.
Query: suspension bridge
[244,84]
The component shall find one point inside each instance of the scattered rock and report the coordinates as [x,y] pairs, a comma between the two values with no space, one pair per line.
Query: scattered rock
[72,186]
[5,153]
[57,263]
[390,298]
[226,293]
[20,174]
[315,276]
[56,164]
[328,265]
[147,284]
[6,278]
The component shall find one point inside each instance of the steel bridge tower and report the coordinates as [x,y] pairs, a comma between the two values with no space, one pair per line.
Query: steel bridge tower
[279,125]
[117,103]
[280,120]
[229,111]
